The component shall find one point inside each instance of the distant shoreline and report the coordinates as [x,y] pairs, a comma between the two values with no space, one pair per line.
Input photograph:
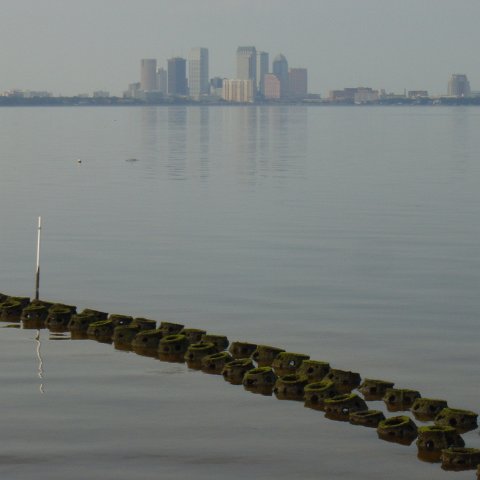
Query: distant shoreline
[127,102]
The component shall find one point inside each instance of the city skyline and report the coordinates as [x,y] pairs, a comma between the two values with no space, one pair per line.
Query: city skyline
[61,47]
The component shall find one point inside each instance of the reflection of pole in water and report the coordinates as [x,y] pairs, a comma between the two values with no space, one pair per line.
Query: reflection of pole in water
[40,361]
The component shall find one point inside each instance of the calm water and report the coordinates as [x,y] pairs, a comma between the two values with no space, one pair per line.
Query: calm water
[350,234]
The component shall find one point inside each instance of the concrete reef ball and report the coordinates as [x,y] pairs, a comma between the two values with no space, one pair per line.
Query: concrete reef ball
[216,362]
[290,387]
[234,371]
[373,389]
[242,349]
[118,319]
[124,334]
[194,335]
[37,313]
[102,331]
[288,362]
[461,420]
[196,351]
[399,429]
[314,370]
[259,377]
[147,339]
[399,399]
[344,380]
[220,341]
[171,328]
[366,418]
[317,393]
[144,323]
[80,322]
[173,344]
[264,355]
[426,409]
[339,407]
[460,458]
[96,313]
[433,438]
[59,315]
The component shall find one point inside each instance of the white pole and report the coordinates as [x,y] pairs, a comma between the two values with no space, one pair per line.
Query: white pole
[37,275]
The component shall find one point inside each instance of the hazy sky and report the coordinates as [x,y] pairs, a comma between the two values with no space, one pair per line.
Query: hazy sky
[76,46]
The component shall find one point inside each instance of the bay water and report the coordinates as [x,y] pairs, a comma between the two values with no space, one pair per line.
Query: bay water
[347,233]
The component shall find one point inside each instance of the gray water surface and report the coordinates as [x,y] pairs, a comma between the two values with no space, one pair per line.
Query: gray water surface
[350,234]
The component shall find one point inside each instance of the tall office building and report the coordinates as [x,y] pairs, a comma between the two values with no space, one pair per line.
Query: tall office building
[238,90]
[458,86]
[247,64]
[297,82]
[177,76]
[198,72]
[280,69]
[148,74]
[262,70]
[162,80]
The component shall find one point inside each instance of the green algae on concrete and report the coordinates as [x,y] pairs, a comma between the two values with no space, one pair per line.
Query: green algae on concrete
[242,349]
[265,354]
[34,312]
[434,438]
[144,323]
[124,335]
[11,308]
[400,399]
[290,387]
[316,393]
[171,328]
[425,409]
[59,315]
[314,370]
[462,420]
[220,341]
[366,418]
[117,319]
[194,335]
[260,380]
[458,459]
[216,362]
[80,321]
[344,380]
[372,389]
[400,429]
[101,331]
[98,314]
[234,371]
[340,406]
[195,353]
[288,362]
[148,339]
[173,344]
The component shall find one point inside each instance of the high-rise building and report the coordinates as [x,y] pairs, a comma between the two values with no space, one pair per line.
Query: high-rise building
[271,87]
[458,85]
[162,80]
[297,82]
[238,90]
[148,74]
[280,69]
[262,69]
[247,64]
[198,72]
[177,76]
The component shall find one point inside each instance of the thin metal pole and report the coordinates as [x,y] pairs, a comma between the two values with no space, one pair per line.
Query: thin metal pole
[37,275]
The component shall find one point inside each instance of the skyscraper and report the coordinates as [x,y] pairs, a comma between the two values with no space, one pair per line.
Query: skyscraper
[262,70]
[162,80]
[297,82]
[177,76]
[458,85]
[148,74]
[247,64]
[198,72]
[280,69]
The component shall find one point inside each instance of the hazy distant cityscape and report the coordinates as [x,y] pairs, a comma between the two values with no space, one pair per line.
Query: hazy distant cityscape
[187,80]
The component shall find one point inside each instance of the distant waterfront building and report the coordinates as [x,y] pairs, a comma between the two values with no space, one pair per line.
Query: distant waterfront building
[272,87]
[238,90]
[101,94]
[365,95]
[280,69]
[216,87]
[148,74]
[247,64]
[458,86]
[262,70]
[298,82]
[198,72]
[162,81]
[177,76]
[358,95]
[417,94]
[133,90]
